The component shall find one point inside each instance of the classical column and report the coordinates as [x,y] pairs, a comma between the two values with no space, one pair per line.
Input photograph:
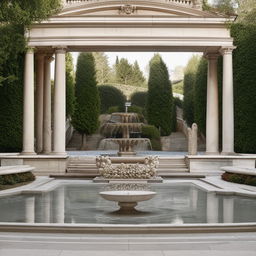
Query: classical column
[59,145]
[228,102]
[39,101]
[212,113]
[47,132]
[28,104]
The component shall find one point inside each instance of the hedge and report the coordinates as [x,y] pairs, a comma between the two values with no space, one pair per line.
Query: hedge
[12,179]
[239,178]
[245,87]
[111,96]
[139,99]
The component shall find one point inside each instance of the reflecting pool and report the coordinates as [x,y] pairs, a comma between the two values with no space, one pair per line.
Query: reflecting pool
[181,203]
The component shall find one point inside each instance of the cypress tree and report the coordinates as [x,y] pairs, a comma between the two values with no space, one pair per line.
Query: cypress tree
[188,85]
[86,115]
[70,89]
[123,71]
[160,99]
[200,94]
[137,78]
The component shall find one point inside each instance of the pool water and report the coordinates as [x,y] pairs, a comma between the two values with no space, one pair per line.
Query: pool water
[181,203]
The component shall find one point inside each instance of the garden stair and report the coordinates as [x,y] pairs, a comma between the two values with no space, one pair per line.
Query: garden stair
[86,166]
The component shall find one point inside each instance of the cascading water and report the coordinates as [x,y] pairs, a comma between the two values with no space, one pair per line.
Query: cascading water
[123,131]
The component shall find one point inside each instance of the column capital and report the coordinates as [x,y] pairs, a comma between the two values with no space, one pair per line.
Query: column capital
[60,49]
[227,50]
[30,49]
[49,58]
[211,55]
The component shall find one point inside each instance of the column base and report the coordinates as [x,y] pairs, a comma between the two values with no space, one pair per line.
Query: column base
[28,153]
[59,153]
[212,153]
[228,153]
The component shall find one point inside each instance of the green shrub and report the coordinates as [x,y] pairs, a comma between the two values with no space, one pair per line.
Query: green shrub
[111,96]
[150,131]
[139,99]
[12,179]
[113,109]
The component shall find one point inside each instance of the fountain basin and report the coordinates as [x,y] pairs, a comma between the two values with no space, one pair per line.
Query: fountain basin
[127,200]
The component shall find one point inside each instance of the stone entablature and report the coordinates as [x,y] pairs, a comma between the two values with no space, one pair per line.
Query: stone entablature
[197,4]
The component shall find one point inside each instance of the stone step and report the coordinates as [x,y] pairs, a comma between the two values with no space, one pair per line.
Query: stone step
[87,165]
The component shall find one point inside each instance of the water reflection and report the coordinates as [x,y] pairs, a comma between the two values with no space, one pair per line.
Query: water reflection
[173,204]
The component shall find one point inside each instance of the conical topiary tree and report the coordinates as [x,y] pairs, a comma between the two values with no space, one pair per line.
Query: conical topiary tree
[86,115]
[160,99]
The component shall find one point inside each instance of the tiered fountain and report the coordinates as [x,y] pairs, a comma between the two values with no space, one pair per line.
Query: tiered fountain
[124,129]
[128,126]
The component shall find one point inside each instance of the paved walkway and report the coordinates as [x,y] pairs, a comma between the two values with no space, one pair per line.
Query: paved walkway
[231,244]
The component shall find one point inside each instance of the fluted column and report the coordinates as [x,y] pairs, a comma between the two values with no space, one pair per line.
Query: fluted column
[39,101]
[28,104]
[212,113]
[228,102]
[47,132]
[59,145]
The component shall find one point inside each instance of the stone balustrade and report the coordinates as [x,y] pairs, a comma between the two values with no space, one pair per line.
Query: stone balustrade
[189,3]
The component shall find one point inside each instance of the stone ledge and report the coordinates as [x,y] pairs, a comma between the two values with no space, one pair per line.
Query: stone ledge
[239,170]
[5,170]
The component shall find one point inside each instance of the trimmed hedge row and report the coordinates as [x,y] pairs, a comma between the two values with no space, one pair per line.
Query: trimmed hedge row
[245,87]
[12,179]
[139,99]
[239,178]
[109,97]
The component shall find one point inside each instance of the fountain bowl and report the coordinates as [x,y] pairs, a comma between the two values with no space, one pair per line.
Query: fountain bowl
[127,200]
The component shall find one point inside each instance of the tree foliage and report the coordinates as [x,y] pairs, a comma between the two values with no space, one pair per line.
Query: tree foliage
[123,71]
[70,86]
[188,85]
[102,67]
[160,100]
[126,73]
[85,118]
[109,97]
[200,92]
[25,12]
[138,78]
[14,16]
